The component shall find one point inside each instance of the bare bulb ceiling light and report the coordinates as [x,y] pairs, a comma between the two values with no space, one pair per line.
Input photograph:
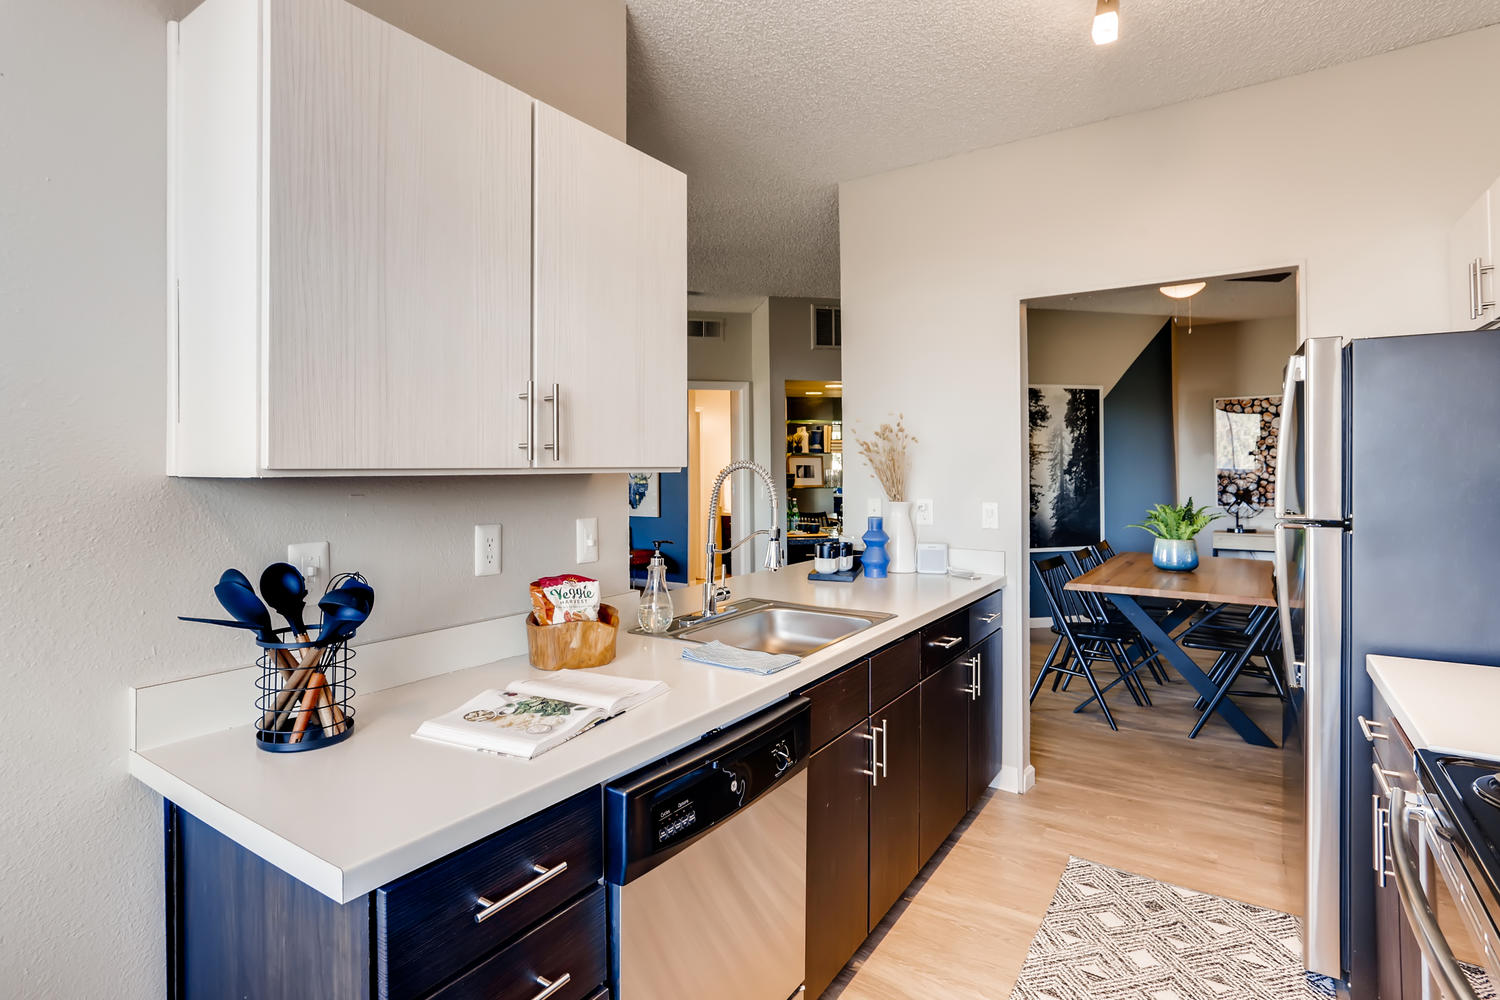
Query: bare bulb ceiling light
[1106,22]
[1186,291]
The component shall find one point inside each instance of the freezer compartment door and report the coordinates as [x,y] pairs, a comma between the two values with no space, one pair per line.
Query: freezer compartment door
[1309,587]
[1310,445]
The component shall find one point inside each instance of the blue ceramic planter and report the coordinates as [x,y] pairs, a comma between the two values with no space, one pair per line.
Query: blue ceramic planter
[875,558]
[1179,555]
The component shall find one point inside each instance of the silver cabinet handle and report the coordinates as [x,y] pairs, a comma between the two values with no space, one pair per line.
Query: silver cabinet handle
[1381,817]
[1418,908]
[1381,774]
[947,641]
[973,689]
[1473,284]
[543,876]
[552,986]
[885,747]
[873,772]
[989,618]
[1480,270]
[1367,727]
[555,398]
[529,445]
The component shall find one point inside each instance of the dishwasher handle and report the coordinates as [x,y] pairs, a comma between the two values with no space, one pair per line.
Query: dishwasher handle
[1414,902]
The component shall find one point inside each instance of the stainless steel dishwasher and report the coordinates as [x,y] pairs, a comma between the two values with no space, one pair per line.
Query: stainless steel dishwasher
[706,857]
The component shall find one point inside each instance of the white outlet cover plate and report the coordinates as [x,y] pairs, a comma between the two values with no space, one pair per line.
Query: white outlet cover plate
[872,507]
[989,515]
[588,539]
[487,550]
[314,556]
[921,512]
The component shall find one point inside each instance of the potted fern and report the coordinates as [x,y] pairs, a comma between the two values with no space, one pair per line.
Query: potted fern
[1175,528]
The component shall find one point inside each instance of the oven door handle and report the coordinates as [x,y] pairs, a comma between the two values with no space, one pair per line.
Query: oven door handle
[1414,902]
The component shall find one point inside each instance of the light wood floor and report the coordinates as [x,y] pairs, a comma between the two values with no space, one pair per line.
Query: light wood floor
[1204,813]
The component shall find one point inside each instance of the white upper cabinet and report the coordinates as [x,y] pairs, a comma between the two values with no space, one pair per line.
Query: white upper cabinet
[353,262]
[1471,259]
[611,301]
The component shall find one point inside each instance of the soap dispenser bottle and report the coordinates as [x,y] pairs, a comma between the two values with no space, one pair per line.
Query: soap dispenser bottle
[655,613]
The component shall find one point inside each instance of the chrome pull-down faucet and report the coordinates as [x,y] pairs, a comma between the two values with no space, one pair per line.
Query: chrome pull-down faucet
[714,593]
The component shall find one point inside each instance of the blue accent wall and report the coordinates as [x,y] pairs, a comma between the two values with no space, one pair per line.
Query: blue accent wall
[672,524]
[1140,459]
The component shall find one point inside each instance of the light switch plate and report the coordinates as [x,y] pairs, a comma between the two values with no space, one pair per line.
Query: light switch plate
[588,539]
[486,549]
[872,507]
[921,512]
[989,515]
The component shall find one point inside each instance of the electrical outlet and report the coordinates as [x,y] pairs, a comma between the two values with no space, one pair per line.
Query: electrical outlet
[311,559]
[921,512]
[872,507]
[989,515]
[486,549]
[588,539]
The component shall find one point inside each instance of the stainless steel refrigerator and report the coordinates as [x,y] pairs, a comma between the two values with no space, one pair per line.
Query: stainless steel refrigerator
[1388,495]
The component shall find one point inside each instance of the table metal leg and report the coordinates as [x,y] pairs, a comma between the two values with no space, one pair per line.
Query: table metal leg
[1174,654]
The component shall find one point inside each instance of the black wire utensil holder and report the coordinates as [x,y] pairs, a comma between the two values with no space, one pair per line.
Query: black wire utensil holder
[305,697]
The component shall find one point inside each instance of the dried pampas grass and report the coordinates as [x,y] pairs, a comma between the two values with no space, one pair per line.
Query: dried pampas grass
[886,453]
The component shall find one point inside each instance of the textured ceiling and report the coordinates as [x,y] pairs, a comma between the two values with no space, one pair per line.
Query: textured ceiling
[768,104]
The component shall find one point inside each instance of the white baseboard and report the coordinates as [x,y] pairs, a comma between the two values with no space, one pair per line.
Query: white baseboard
[1013,779]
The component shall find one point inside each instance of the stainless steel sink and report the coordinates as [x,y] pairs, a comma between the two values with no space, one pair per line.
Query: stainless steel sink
[776,626]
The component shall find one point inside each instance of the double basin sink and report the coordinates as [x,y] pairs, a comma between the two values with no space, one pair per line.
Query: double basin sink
[775,626]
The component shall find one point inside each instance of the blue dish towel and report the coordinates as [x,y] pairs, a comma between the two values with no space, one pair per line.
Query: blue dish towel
[716,654]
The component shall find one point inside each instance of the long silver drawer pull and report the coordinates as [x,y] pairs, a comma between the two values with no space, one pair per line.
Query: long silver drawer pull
[1368,728]
[874,772]
[885,746]
[989,618]
[543,876]
[555,398]
[552,985]
[947,641]
[1414,901]
[1381,774]
[529,445]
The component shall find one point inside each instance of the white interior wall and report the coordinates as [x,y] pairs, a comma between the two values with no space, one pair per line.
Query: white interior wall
[99,550]
[1221,359]
[1354,172]
[711,448]
[1069,347]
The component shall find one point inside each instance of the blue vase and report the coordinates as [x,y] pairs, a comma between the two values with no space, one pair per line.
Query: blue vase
[875,559]
[1179,555]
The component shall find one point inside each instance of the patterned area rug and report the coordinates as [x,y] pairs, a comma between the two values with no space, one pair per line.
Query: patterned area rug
[1110,935]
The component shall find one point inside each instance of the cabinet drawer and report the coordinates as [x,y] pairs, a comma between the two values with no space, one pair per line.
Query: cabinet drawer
[943,640]
[985,616]
[573,943]
[839,703]
[425,923]
[895,671]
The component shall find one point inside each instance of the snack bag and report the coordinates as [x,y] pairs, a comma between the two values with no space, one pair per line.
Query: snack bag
[566,598]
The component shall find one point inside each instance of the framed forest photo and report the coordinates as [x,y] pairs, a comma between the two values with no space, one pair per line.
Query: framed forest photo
[1067,465]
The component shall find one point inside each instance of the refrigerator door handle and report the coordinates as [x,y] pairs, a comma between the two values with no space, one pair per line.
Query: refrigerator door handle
[1282,573]
[1296,368]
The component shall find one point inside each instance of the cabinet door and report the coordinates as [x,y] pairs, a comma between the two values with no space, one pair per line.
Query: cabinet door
[1469,241]
[944,791]
[838,854]
[894,802]
[398,252]
[611,301]
[984,718]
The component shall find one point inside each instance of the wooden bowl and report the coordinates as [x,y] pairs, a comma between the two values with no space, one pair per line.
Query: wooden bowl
[573,645]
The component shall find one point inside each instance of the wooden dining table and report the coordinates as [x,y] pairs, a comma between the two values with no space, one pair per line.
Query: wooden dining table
[1217,580]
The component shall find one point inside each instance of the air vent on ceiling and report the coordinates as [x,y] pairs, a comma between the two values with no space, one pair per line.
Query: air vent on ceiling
[1272,278]
[827,328]
[705,329]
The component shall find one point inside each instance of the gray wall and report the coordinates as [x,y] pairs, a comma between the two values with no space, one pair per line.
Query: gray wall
[89,515]
[727,360]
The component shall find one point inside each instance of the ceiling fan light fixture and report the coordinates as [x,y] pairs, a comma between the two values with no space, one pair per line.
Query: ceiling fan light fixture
[1106,22]
[1186,291]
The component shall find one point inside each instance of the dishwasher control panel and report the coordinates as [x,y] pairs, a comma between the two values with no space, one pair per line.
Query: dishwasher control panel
[657,811]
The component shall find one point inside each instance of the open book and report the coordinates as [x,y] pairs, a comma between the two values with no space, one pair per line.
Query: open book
[534,715]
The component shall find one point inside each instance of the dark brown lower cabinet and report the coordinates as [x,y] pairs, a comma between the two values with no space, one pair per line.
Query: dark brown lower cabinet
[894,802]
[838,855]
[984,716]
[944,781]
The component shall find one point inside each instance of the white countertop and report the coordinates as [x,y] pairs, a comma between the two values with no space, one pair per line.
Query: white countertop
[348,818]
[1448,707]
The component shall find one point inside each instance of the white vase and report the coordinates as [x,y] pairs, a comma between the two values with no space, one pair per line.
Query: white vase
[903,544]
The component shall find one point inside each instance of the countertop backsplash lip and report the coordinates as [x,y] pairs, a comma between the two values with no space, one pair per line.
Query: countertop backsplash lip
[1442,706]
[271,804]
